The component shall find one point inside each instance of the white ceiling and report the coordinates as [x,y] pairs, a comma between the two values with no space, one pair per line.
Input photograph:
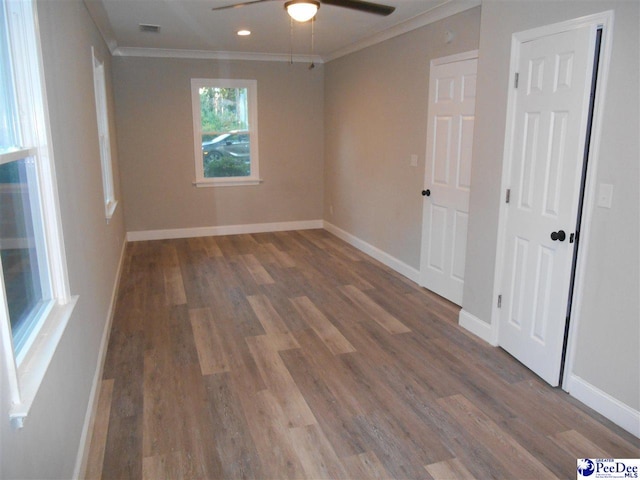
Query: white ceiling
[190,28]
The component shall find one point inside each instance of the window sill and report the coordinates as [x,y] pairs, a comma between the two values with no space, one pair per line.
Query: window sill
[33,367]
[231,182]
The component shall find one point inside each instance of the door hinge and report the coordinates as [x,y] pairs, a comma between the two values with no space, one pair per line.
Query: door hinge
[499,301]
[573,237]
[507,198]
[515,80]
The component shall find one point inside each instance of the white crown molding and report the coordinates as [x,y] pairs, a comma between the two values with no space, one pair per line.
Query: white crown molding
[443,10]
[99,16]
[211,55]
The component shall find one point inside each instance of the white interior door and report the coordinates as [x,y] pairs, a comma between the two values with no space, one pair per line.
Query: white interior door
[452,98]
[545,163]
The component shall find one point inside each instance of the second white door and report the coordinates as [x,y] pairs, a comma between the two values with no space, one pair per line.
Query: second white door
[549,124]
[452,96]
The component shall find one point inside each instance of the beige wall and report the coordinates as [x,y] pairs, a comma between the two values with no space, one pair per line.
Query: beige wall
[375,119]
[607,340]
[48,444]
[155,127]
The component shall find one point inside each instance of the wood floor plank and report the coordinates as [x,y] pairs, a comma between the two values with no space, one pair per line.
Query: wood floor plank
[283,258]
[336,422]
[194,269]
[267,315]
[334,373]
[232,433]
[578,446]
[169,466]
[257,271]
[210,344]
[390,323]
[177,414]
[418,431]
[278,295]
[100,429]
[277,377]
[333,270]
[316,454]
[211,247]
[449,470]
[323,327]
[233,330]
[160,398]
[173,284]
[271,437]
[366,466]
[123,450]
[387,438]
[509,453]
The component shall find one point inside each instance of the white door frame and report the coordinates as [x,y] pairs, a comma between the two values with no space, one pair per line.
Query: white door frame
[604,20]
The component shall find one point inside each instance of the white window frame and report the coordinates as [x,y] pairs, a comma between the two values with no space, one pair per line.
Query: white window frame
[252,104]
[104,138]
[26,370]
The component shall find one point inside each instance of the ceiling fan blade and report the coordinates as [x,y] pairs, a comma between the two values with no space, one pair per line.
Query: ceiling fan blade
[362,6]
[238,5]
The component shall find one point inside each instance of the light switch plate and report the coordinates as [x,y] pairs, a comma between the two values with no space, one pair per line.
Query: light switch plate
[413,161]
[605,195]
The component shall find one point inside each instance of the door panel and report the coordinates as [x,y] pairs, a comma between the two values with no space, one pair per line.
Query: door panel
[545,166]
[459,244]
[448,177]
[441,155]
[464,159]
[437,237]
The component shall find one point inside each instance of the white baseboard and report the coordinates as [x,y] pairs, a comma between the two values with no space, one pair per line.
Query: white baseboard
[82,457]
[222,230]
[603,403]
[390,261]
[478,327]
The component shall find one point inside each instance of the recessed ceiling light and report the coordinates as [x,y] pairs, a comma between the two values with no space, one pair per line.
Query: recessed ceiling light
[244,33]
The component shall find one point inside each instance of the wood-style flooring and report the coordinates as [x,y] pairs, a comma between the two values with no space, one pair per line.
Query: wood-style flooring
[294,355]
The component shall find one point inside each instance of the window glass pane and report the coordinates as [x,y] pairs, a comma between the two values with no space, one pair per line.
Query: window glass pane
[20,246]
[8,117]
[226,148]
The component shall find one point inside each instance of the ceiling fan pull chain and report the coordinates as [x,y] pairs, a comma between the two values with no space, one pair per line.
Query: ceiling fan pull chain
[290,41]
[313,37]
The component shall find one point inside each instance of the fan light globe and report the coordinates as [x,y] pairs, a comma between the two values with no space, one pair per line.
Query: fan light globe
[302,10]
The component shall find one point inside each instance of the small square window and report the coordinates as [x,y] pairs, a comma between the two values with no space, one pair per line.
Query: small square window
[225,131]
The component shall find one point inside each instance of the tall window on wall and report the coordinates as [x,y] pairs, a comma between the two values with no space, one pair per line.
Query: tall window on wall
[35,304]
[100,89]
[225,125]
